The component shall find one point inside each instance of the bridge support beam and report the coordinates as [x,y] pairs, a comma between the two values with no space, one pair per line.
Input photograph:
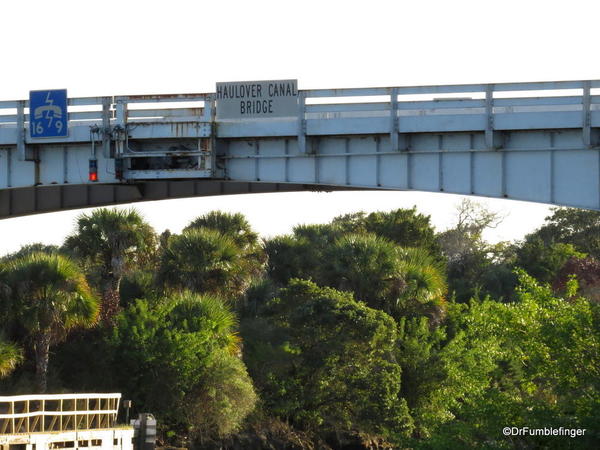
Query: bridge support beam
[45,199]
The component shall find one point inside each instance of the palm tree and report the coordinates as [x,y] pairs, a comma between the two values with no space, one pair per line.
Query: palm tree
[401,281]
[111,242]
[365,264]
[233,225]
[205,261]
[425,288]
[10,356]
[195,312]
[237,228]
[49,296]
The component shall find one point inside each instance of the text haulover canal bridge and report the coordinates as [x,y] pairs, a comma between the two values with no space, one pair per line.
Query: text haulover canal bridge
[523,141]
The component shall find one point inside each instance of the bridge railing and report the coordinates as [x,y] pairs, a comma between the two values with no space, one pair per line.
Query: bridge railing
[165,116]
[81,111]
[450,108]
[408,109]
[170,108]
[504,98]
[453,108]
[8,112]
[102,112]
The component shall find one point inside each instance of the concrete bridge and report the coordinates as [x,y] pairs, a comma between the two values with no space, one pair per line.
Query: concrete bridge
[523,141]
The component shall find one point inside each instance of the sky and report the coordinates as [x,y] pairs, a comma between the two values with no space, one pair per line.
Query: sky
[152,47]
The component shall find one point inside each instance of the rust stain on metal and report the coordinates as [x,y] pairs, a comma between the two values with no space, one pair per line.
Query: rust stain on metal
[179,128]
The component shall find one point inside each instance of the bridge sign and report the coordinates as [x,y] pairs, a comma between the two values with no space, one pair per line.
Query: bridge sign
[48,113]
[257,99]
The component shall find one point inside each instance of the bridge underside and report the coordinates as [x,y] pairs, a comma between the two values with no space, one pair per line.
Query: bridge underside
[45,199]
[544,166]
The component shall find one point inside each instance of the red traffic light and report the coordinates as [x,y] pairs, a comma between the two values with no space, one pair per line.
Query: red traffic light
[93,173]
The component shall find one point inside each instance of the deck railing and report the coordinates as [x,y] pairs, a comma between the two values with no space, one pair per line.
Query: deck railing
[57,413]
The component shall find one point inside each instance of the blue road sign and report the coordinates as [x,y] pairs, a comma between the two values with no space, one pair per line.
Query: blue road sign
[48,113]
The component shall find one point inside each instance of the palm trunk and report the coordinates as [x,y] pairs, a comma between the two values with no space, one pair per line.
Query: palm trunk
[42,352]
[110,299]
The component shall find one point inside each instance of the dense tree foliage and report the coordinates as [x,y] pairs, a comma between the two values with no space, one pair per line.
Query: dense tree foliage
[538,362]
[474,267]
[296,255]
[36,247]
[177,357]
[180,343]
[544,261]
[371,331]
[405,227]
[578,227]
[325,362]
[399,280]
[587,273]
